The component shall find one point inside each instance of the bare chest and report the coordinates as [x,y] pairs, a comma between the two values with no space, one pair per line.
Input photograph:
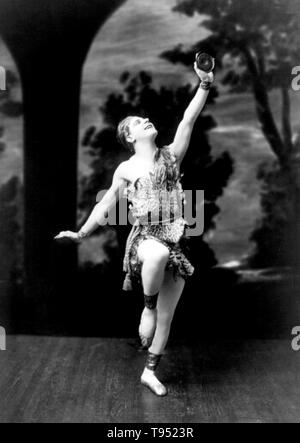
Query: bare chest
[136,170]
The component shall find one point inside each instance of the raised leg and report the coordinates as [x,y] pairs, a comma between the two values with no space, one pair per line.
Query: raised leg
[154,257]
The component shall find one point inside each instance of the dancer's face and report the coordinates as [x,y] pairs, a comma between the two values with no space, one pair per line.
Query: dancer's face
[142,129]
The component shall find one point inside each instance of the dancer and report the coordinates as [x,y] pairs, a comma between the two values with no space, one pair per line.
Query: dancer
[154,255]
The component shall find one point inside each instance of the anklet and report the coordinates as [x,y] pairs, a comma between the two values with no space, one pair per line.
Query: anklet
[153,361]
[151,301]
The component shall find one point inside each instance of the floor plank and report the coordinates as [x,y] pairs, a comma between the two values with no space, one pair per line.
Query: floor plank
[67,380]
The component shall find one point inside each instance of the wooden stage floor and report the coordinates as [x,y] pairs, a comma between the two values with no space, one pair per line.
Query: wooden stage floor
[69,380]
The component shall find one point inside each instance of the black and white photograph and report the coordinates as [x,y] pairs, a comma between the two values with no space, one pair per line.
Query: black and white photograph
[149,214]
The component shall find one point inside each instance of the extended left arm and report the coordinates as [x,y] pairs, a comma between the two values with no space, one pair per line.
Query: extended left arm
[185,128]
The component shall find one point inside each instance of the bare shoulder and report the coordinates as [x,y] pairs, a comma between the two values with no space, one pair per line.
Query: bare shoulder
[123,170]
[171,149]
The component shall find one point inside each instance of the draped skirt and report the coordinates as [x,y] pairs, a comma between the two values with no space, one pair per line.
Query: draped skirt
[172,235]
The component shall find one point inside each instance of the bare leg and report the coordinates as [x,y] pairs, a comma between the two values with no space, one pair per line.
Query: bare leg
[154,257]
[168,299]
[167,302]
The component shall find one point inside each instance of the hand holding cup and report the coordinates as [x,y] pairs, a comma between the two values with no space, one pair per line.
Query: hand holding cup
[204,66]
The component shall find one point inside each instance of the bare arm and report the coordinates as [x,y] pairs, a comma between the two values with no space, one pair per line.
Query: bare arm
[185,128]
[99,212]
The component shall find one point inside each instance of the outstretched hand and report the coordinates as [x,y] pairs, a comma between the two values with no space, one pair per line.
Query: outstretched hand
[204,76]
[67,237]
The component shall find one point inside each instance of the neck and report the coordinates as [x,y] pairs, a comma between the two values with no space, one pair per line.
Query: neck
[146,150]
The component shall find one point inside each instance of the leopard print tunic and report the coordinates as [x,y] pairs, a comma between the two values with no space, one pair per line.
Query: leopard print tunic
[157,201]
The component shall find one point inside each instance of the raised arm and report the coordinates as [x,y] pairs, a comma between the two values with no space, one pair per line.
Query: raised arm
[186,126]
[100,210]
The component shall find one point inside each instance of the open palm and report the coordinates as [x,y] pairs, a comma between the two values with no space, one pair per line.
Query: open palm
[67,237]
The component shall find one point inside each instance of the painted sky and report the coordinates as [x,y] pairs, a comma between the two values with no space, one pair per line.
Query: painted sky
[132,39]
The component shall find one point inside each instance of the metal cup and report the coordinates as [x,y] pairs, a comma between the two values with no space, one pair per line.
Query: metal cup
[205,62]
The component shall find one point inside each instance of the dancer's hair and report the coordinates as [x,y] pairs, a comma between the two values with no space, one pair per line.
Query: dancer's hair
[123,131]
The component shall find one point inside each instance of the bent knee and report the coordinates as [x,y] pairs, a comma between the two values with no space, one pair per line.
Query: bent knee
[154,252]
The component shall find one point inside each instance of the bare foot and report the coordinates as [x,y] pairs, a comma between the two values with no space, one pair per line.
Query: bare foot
[147,326]
[150,380]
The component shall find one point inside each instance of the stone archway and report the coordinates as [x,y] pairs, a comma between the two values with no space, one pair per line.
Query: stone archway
[49,40]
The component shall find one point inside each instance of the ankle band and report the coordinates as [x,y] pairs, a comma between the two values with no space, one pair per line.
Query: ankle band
[151,301]
[153,361]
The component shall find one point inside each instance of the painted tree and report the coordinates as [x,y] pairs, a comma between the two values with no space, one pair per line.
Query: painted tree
[257,44]
[165,107]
